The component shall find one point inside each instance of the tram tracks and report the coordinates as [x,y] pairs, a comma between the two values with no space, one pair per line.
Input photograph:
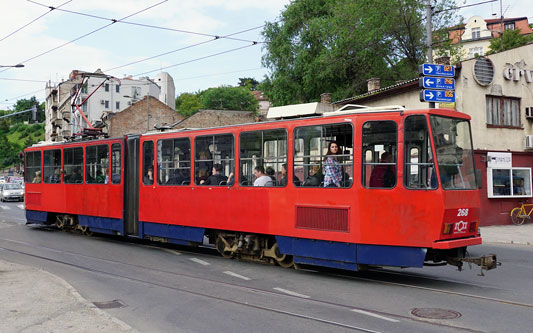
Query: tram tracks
[242,288]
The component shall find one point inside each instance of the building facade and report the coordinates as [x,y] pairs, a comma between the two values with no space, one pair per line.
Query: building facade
[474,36]
[497,92]
[99,95]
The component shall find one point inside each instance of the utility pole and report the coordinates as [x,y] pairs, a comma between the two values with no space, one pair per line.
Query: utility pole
[501,24]
[429,39]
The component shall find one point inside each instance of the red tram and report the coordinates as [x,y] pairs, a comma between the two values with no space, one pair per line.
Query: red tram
[400,190]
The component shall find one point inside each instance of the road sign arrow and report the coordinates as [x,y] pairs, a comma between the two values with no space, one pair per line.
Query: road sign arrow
[429,70]
[429,82]
[429,94]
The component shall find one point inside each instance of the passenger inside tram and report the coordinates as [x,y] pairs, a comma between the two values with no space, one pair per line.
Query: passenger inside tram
[314,178]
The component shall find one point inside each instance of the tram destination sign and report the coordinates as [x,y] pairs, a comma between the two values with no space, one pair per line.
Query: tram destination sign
[437,70]
[436,83]
[439,96]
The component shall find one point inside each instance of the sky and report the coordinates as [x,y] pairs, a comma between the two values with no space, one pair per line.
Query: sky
[57,42]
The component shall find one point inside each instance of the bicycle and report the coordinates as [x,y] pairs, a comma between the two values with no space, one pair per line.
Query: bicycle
[518,214]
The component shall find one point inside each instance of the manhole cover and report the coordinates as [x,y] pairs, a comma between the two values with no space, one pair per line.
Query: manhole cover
[114,304]
[435,313]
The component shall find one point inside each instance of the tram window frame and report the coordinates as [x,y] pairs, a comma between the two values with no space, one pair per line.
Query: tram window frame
[376,151]
[116,163]
[183,167]
[32,165]
[72,162]
[50,165]
[273,162]
[304,164]
[418,174]
[212,157]
[148,162]
[97,161]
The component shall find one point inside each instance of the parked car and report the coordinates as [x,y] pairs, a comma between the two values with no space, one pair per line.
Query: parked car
[12,192]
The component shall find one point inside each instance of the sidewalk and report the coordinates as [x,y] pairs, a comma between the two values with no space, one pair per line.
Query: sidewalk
[508,234]
[33,300]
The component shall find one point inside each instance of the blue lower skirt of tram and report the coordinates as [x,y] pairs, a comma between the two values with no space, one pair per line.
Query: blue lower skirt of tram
[348,255]
[103,225]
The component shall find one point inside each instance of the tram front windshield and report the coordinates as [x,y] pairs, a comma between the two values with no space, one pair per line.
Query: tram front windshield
[455,156]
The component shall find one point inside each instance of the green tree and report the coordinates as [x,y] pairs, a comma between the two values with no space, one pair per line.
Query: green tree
[229,98]
[248,82]
[334,46]
[27,104]
[511,39]
[188,104]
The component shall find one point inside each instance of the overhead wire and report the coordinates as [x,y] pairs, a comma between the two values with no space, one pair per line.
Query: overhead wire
[89,33]
[35,19]
[147,25]
[30,93]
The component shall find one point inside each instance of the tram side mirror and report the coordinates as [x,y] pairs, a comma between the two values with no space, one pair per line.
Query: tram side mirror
[479,183]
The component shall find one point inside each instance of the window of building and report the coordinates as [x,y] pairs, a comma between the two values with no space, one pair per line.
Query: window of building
[97,164]
[174,162]
[419,167]
[106,104]
[476,33]
[267,149]
[117,105]
[475,52]
[106,87]
[52,166]
[509,26]
[84,88]
[213,151]
[116,162]
[380,146]
[312,164]
[73,165]
[508,182]
[503,111]
[148,163]
[117,88]
[32,169]
[135,92]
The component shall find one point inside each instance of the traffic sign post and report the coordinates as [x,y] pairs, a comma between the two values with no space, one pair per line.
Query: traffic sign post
[437,70]
[436,83]
[439,96]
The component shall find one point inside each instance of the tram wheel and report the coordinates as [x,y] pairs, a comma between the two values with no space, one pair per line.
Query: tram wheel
[221,248]
[60,224]
[284,260]
[517,217]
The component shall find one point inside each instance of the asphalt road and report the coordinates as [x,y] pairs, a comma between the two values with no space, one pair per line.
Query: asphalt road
[169,288]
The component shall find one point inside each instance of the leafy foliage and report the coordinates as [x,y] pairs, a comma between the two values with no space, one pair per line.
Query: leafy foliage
[510,40]
[229,98]
[188,104]
[248,82]
[334,46]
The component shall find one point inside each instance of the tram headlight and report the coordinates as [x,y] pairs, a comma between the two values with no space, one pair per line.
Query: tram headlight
[447,228]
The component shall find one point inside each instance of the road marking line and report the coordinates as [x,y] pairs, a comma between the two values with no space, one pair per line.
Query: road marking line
[21,206]
[199,261]
[172,251]
[237,275]
[292,293]
[375,315]
[5,207]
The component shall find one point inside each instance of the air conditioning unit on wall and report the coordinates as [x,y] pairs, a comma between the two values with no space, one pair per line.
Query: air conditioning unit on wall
[529,142]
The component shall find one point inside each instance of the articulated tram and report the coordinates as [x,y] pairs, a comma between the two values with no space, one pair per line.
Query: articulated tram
[404,191]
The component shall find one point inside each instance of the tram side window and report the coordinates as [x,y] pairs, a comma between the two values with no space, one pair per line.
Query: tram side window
[419,169]
[323,156]
[214,159]
[97,164]
[52,166]
[73,164]
[148,163]
[267,149]
[32,169]
[116,161]
[174,162]
[380,144]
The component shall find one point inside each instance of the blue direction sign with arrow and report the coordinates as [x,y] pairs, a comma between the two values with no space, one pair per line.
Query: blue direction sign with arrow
[437,70]
[437,83]
[440,96]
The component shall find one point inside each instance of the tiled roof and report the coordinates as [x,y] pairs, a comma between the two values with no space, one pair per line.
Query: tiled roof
[407,83]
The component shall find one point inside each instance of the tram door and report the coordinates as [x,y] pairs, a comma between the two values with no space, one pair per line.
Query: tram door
[131,186]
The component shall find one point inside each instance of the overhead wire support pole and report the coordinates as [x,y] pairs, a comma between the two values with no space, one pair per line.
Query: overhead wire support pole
[429,39]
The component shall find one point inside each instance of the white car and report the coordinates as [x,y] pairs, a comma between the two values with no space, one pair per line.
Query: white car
[11,192]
